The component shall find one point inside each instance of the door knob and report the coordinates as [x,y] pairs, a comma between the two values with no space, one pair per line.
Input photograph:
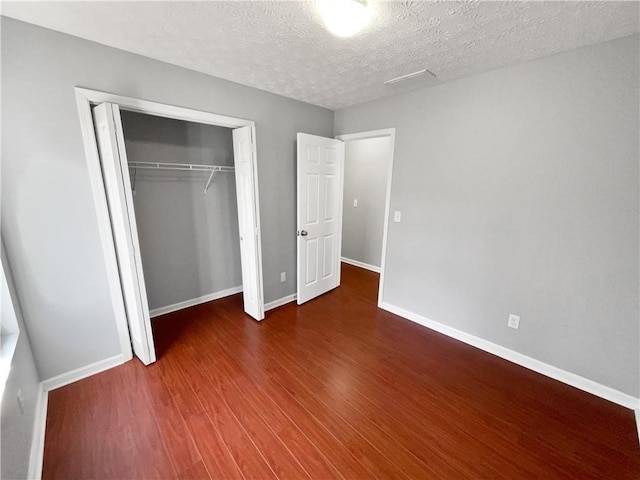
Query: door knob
[303,233]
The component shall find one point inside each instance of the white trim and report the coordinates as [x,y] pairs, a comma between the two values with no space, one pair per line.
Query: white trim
[342,156]
[254,146]
[556,373]
[83,372]
[36,455]
[637,412]
[162,109]
[279,302]
[356,263]
[385,132]
[156,312]
[84,99]
[390,132]
[104,222]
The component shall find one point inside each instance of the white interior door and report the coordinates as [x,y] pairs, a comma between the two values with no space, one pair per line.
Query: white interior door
[248,221]
[115,171]
[320,172]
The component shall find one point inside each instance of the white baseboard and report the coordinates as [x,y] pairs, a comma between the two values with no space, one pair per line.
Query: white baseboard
[37,443]
[637,412]
[40,422]
[36,455]
[356,263]
[556,373]
[195,301]
[83,372]
[280,302]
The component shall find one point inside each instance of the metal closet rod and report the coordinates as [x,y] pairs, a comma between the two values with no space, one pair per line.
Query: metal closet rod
[184,167]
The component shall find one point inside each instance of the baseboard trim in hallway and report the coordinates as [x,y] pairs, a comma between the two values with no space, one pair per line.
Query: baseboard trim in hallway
[357,263]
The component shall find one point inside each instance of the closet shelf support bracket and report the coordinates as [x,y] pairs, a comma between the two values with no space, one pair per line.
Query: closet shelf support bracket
[213,174]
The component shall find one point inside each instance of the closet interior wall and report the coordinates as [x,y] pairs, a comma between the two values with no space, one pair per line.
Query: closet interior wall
[189,240]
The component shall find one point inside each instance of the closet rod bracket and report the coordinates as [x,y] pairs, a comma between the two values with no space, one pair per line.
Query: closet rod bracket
[213,174]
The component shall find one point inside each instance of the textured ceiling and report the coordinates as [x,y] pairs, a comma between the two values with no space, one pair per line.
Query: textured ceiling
[283,48]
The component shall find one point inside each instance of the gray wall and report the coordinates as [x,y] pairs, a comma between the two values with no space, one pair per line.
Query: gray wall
[189,240]
[17,427]
[366,166]
[519,194]
[49,221]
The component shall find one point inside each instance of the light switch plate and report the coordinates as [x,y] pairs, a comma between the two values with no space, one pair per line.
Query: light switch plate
[355,202]
[397,216]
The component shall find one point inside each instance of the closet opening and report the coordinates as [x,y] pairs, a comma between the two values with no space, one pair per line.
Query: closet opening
[177,200]
[184,198]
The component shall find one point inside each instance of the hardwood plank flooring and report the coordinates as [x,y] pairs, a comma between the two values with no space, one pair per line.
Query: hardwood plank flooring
[335,388]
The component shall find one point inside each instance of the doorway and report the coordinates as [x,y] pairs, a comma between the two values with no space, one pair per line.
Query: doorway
[106,153]
[322,204]
[368,166]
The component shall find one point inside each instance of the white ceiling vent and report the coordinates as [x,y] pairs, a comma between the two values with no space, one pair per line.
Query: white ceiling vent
[408,76]
[286,49]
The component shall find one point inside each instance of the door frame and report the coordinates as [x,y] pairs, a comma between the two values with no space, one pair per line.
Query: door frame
[391,133]
[85,98]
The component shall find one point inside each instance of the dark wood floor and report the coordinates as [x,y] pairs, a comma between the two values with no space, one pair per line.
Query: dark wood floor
[333,389]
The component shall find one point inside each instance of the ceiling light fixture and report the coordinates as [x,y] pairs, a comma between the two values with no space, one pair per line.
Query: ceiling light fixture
[408,76]
[345,18]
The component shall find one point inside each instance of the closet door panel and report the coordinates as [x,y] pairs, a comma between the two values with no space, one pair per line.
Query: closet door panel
[115,173]
[244,159]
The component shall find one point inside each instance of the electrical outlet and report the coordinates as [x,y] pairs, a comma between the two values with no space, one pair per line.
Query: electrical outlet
[355,202]
[283,277]
[514,321]
[20,401]
[397,216]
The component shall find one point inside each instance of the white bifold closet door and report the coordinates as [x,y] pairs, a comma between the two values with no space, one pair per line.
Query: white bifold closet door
[244,160]
[319,203]
[115,171]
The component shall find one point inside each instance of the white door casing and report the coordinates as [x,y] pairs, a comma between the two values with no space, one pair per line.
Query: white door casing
[248,221]
[115,171]
[319,215]
[85,100]
[391,134]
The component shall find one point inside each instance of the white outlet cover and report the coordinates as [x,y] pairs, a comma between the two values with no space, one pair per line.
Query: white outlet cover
[514,321]
[283,277]
[355,202]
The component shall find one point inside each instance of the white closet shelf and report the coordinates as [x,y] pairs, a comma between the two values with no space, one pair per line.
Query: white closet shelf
[183,167]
